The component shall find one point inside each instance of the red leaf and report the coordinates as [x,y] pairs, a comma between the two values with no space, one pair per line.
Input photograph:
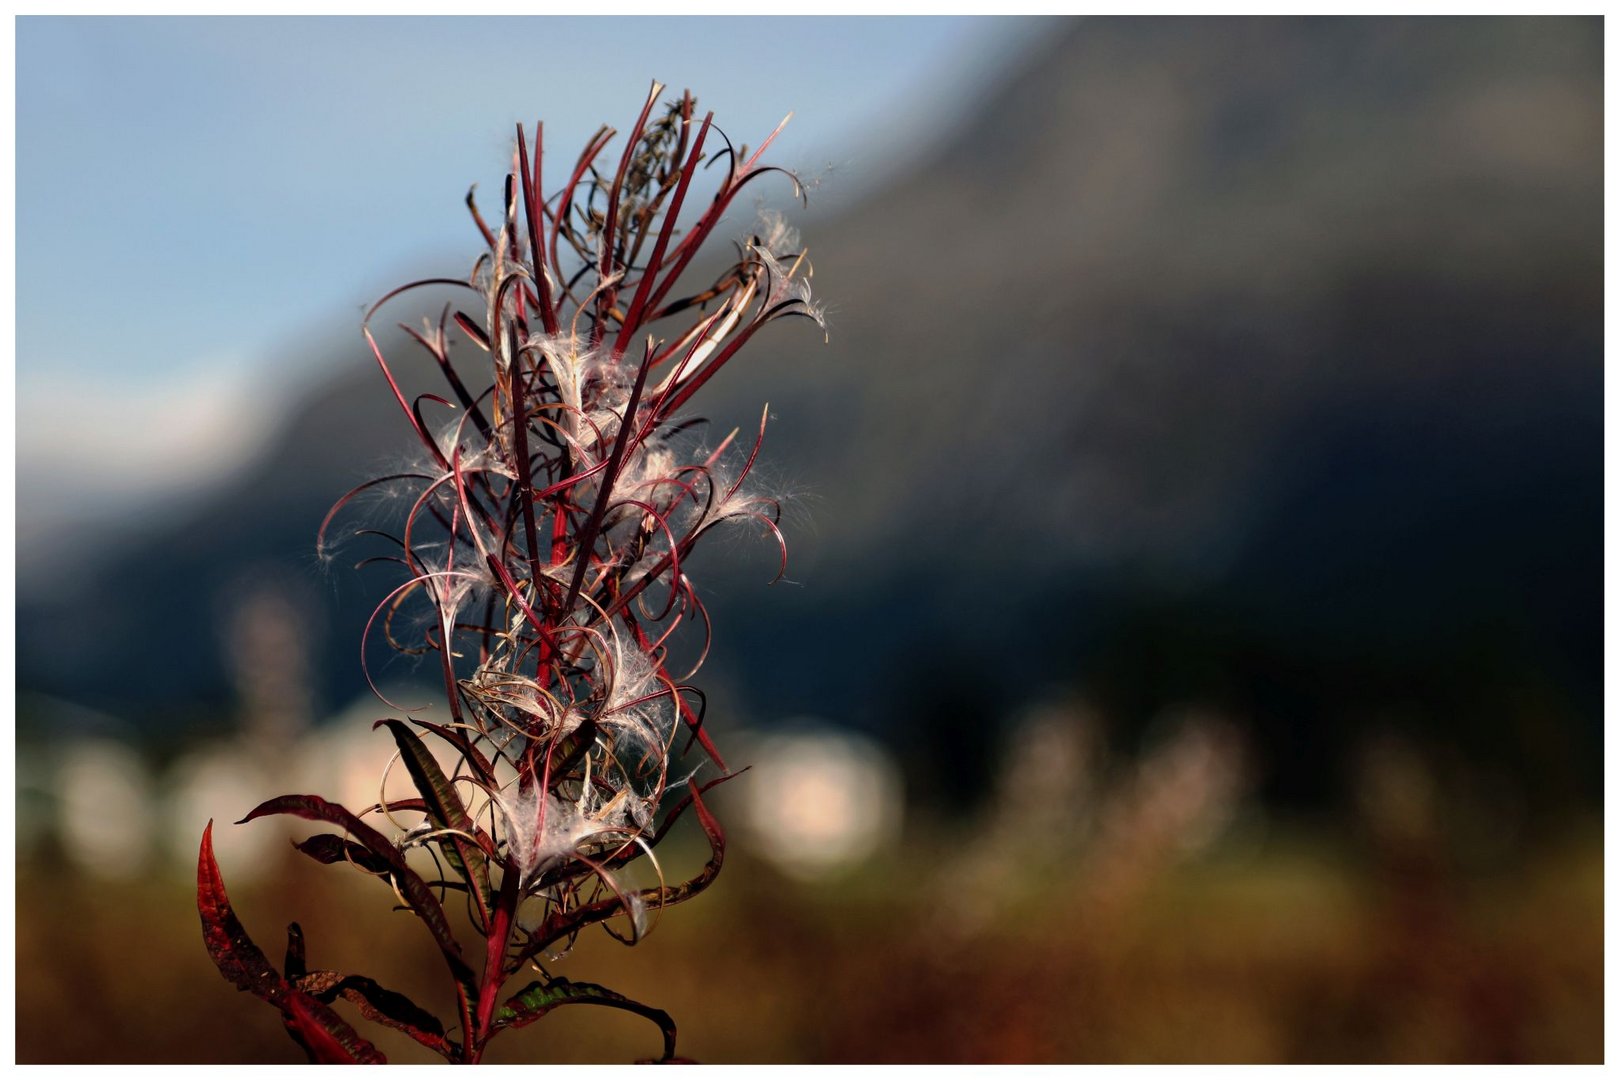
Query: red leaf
[320,1031]
[233,952]
[425,905]
[323,1033]
[390,1007]
[329,848]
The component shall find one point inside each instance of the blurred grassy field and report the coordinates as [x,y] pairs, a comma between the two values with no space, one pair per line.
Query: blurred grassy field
[1301,952]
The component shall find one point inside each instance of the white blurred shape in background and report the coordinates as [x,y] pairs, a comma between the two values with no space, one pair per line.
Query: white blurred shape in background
[105,809]
[343,761]
[819,801]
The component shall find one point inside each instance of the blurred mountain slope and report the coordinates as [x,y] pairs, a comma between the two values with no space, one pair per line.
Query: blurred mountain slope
[1248,359]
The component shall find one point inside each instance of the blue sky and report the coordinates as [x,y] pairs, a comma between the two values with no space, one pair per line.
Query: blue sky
[201,201]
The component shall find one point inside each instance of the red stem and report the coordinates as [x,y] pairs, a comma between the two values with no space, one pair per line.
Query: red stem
[605,300]
[633,318]
[500,931]
[532,201]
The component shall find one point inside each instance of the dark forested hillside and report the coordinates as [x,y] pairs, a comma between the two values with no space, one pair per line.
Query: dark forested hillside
[1249,361]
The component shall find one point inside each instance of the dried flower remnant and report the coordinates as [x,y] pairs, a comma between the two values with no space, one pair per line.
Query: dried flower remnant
[541,566]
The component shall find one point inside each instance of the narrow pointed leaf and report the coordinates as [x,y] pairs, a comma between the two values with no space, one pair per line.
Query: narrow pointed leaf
[384,1006]
[410,883]
[473,756]
[539,998]
[233,952]
[325,1036]
[329,848]
[376,1003]
[320,1031]
[445,809]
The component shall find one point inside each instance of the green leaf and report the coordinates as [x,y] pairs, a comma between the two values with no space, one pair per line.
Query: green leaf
[445,810]
[469,751]
[539,998]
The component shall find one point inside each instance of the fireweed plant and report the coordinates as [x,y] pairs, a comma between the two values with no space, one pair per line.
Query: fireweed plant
[544,548]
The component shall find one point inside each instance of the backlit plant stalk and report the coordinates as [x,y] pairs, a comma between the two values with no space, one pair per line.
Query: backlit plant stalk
[557,501]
